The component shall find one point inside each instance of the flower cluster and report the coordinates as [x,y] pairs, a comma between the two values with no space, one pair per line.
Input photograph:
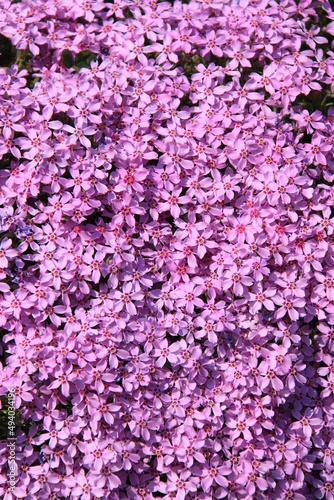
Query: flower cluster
[166,248]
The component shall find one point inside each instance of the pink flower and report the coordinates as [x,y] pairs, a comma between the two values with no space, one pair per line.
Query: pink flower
[311,258]
[326,286]
[13,304]
[318,149]
[216,474]
[36,143]
[251,479]
[181,484]
[127,209]
[309,122]
[165,352]
[306,423]
[285,90]
[238,278]
[166,49]
[63,378]
[6,251]
[85,488]
[302,463]
[93,264]
[79,134]
[242,230]
[163,208]
[172,202]
[241,426]
[203,242]
[188,296]
[97,454]
[262,298]
[125,298]
[54,273]
[212,44]
[238,56]
[19,389]
[288,305]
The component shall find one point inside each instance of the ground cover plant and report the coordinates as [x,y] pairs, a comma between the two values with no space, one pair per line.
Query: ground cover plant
[166,249]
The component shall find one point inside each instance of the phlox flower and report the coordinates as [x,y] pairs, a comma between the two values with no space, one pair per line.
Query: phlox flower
[188,450]
[166,49]
[309,122]
[165,352]
[97,454]
[85,488]
[125,298]
[188,296]
[166,250]
[19,388]
[318,149]
[13,304]
[302,464]
[127,209]
[202,241]
[54,273]
[238,279]
[251,479]
[172,202]
[306,422]
[62,380]
[288,305]
[285,90]
[241,230]
[181,484]
[262,299]
[216,474]
[141,425]
[238,56]
[6,251]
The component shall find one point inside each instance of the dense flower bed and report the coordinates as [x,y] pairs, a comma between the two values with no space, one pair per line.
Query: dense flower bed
[166,255]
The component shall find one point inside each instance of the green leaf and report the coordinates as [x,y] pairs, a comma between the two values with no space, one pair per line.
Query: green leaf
[8,52]
[82,20]
[83,59]
[67,59]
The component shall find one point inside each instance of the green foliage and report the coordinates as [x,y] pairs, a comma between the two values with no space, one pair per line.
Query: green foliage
[83,59]
[23,58]
[189,62]
[185,101]
[3,418]
[7,52]
[82,20]
[67,59]
[5,161]
[68,406]
[4,354]
[316,100]
[127,13]
[31,81]
[20,423]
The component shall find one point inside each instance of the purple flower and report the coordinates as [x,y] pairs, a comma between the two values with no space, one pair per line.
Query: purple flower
[238,278]
[216,474]
[166,249]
